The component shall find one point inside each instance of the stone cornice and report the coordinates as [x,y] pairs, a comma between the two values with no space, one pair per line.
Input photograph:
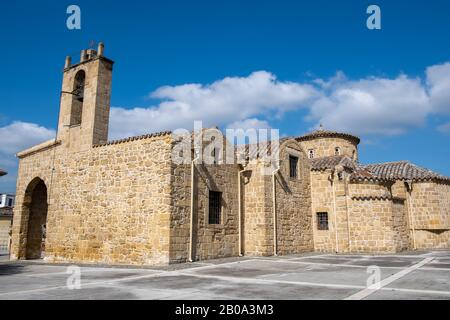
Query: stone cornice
[141,137]
[38,148]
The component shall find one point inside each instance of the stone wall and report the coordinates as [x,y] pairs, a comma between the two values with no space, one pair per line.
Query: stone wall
[35,167]
[330,195]
[210,240]
[430,205]
[257,212]
[5,226]
[432,239]
[430,211]
[324,147]
[378,222]
[110,204]
[293,207]
[371,227]
[367,216]
[293,203]
[94,109]
[322,201]
[400,225]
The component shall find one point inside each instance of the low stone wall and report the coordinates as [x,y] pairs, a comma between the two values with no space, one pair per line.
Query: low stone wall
[430,205]
[371,226]
[432,239]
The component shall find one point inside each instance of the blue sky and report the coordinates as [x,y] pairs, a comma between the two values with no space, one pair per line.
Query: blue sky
[286,64]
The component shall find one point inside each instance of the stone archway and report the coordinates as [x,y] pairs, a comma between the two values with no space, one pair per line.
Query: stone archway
[35,209]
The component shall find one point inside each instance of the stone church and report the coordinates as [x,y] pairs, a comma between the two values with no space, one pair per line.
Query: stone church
[81,198]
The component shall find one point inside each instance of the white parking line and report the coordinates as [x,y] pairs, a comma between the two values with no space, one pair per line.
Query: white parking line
[433,292]
[346,265]
[110,281]
[191,272]
[271,281]
[364,257]
[83,284]
[377,286]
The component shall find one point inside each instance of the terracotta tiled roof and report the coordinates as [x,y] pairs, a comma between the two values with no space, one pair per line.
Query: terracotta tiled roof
[331,162]
[402,170]
[145,136]
[2,172]
[321,133]
[389,171]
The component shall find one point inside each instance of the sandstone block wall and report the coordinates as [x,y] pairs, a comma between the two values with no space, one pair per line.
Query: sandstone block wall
[257,212]
[293,203]
[430,205]
[330,194]
[322,201]
[430,210]
[110,204]
[324,147]
[210,240]
[432,239]
[378,221]
[293,207]
[5,226]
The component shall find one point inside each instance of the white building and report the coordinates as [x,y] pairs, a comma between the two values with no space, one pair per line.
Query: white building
[7,200]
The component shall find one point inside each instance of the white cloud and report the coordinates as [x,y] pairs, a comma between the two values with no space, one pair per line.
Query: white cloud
[220,103]
[21,135]
[372,106]
[438,80]
[251,123]
[381,106]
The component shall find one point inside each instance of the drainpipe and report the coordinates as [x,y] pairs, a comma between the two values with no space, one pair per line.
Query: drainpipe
[334,211]
[240,210]
[411,218]
[348,214]
[191,227]
[274,202]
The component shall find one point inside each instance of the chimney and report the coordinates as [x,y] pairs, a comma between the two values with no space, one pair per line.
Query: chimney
[68,62]
[83,56]
[101,49]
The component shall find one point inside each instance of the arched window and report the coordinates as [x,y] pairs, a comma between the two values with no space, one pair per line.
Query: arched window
[78,98]
[337,151]
[311,153]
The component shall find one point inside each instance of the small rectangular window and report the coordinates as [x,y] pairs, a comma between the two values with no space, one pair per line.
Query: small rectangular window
[293,164]
[215,207]
[10,202]
[322,221]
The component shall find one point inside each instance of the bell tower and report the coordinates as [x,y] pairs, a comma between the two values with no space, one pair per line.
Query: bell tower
[85,101]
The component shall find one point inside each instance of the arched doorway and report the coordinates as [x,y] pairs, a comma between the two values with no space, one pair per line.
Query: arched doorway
[35,209]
